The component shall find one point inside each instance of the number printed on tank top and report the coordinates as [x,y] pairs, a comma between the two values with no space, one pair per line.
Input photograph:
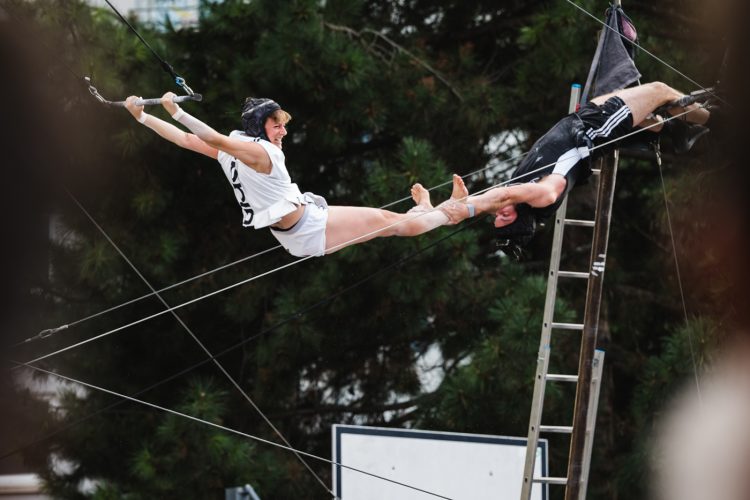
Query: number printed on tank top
[239,193]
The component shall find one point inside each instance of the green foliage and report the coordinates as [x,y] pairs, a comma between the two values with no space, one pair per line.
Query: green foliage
[415,162]
[493,380]
[166,464]
[663,374]
[661,378]
[339,339]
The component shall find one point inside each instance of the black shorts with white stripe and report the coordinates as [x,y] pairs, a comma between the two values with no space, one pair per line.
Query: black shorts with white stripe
[564,149]
[611,120]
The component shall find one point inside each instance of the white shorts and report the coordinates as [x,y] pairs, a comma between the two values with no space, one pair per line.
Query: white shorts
[308,236]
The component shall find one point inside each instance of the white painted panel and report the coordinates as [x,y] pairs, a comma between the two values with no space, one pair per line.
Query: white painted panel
[453,465]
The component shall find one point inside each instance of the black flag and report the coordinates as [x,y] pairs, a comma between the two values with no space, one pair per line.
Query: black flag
[613,67]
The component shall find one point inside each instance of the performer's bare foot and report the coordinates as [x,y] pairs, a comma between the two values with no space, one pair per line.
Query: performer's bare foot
[456,207]
[421,197]
[460,193]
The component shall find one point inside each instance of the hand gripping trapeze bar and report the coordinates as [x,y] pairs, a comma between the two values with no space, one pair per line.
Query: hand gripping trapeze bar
[139,102]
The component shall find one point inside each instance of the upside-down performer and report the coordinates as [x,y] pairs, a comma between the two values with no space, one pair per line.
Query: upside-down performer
[254,164]
[562,158]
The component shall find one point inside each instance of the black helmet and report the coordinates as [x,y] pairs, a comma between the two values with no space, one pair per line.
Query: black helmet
[512,238]
[255,111]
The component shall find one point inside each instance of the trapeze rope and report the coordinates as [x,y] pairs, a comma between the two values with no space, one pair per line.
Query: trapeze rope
[227,429]
[46,333]
[298,314]
[213,357]
[371,233]
[172,309]
[196,339]
[51,331]
[164,64]
[181,82]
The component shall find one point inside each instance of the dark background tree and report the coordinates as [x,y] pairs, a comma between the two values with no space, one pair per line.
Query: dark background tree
[383,94]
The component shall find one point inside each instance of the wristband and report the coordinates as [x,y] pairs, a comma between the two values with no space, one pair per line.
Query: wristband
[178,114]
[142,118]
[472,209]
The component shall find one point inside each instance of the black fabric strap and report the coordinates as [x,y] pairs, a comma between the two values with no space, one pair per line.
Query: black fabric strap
[164,64]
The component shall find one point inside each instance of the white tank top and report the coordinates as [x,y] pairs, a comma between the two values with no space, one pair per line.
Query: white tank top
[264,198]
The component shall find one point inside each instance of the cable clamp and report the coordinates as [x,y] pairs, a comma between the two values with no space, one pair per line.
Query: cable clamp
[93,91]
[181,83]
[657,150]
[50,331]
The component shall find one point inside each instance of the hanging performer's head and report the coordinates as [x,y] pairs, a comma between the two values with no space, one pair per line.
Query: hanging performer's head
[264,118]
[515,225]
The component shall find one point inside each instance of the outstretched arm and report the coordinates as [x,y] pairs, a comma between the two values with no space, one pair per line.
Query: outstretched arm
[169,131]
[251,154]
[537,194]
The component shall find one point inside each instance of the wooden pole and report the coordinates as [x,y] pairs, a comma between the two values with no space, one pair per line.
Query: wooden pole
[575,488]
[591,324]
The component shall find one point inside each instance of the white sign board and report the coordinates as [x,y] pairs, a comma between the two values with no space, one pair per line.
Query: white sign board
[446,464]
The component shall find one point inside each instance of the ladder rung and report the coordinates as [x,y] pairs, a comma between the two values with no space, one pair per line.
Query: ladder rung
[559,429]
[551,480]
[562,378]
[578,222]
[573,274]
[596,171]
[568,326]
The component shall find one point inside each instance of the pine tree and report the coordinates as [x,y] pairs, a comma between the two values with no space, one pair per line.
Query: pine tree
[382,94]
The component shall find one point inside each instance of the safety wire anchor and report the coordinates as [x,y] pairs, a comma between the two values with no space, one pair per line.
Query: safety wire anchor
[50,331]
[44,334]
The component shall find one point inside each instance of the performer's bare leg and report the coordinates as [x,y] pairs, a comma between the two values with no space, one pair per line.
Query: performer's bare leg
[644,99]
